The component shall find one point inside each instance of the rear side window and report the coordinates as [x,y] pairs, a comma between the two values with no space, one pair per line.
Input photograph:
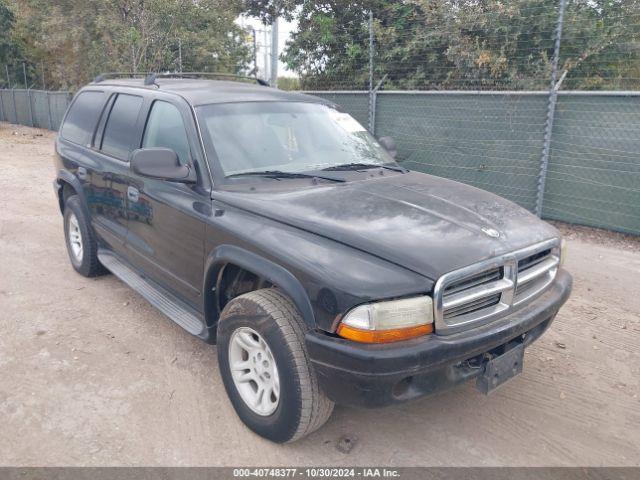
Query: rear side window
[120,130]
[165,128]
[82,118]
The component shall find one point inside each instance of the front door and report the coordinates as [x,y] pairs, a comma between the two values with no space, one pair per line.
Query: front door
[166,228]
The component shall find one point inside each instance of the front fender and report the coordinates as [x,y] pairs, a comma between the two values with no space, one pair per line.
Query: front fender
[270,271]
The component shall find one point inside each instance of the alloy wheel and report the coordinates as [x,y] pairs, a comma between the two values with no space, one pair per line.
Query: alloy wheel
[254,371]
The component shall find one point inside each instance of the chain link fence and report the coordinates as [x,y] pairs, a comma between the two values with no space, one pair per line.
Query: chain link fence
[34,108]
[535,100]
[493,140]
[593,175]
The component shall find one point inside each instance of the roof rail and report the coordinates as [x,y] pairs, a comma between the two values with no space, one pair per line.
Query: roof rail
[151,77]
[105,76]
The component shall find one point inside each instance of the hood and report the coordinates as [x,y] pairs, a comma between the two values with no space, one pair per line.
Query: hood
[427,224]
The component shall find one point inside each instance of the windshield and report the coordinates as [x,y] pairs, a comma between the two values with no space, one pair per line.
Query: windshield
[286,137]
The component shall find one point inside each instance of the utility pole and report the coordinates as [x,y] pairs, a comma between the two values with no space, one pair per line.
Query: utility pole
[180,55]
[42,70]
[265,46]
[274,53]
[255,52]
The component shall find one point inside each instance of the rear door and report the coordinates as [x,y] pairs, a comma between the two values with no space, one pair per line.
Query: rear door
[166,222]
[115,138]
[76,146]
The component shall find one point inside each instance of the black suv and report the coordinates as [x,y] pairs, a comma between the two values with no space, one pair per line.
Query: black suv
[277,227]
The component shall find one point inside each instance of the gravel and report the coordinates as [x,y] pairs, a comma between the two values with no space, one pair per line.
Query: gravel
[90,374]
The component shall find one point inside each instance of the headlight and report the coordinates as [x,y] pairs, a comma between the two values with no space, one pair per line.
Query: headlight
[389,321]
[563,251]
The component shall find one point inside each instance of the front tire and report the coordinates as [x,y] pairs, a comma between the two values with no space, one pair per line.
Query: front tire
[81,243]
[265,367]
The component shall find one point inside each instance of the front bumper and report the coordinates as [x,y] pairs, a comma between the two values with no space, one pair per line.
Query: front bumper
[364,375]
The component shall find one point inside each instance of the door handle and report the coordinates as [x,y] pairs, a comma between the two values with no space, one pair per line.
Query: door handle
[82,173]
[133,194]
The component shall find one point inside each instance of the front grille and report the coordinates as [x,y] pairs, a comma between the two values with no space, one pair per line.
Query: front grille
[472,306]
[532,260]
[525,288]
[535,273]
[468,294]
[473,280]
[479,293]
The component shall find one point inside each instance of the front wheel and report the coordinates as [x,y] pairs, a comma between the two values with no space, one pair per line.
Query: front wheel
[265,367]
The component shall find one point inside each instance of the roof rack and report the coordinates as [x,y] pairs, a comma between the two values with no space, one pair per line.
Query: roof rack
[151,77]
[105,76]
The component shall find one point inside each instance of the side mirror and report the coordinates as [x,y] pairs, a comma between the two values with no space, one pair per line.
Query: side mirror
[160,163]
[389,145]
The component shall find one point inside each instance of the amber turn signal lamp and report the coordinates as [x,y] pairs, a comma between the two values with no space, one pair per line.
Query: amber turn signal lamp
[383,336]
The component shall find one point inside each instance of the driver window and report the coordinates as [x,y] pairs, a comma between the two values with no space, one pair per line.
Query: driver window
[165,128]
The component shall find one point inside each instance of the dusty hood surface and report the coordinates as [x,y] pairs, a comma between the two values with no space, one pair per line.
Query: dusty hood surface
[424,223]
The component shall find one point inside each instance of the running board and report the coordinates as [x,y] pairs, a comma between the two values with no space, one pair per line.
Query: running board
[162,300]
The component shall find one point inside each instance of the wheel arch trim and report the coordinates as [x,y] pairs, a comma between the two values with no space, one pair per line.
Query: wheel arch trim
[269,270]
[66,177]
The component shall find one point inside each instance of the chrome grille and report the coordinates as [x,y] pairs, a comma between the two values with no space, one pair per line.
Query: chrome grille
[535,273]
[474,292]
[473,306]
[473,280]
[480,293]
[534,259]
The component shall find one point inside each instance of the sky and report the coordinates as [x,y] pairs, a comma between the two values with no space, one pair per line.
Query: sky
[284,32]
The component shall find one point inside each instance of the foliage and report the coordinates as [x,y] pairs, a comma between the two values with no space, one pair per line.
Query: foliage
[601,44]
[9,49]
[288,83]
[460,44]
[432,44]
[7,19]
[74,40]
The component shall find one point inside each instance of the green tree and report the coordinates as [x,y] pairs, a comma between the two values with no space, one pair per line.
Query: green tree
[601,45]
[78,39]
[288,83]
[460,44]
[10,50]
[7,46]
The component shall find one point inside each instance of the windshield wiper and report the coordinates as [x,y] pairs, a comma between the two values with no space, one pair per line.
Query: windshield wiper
[363,166]
[281,174]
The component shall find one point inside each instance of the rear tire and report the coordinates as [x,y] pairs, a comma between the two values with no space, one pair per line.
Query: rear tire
[301,406]
[80,240]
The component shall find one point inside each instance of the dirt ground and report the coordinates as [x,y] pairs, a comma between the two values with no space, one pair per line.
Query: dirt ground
[91,374]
